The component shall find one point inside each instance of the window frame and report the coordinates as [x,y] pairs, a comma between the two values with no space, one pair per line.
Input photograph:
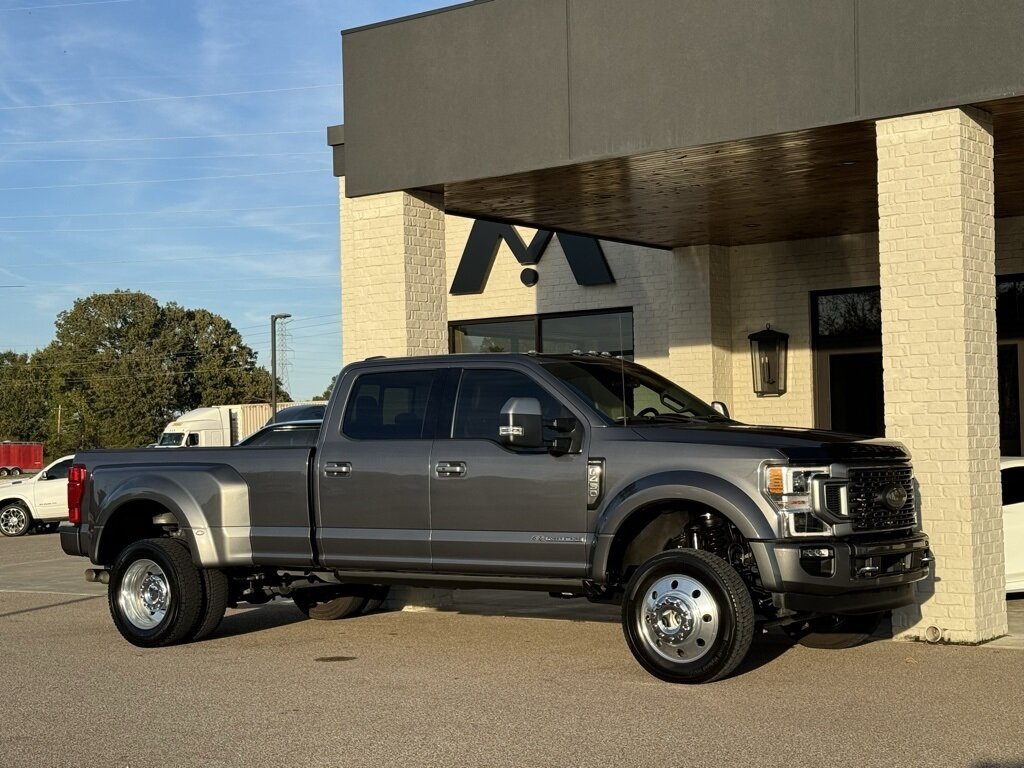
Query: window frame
[446,430]
[435,399]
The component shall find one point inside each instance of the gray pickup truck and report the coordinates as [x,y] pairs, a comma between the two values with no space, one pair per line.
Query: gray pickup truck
[578,475]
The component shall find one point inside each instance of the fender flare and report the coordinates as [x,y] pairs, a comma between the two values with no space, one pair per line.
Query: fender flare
[212,509]
[712,491]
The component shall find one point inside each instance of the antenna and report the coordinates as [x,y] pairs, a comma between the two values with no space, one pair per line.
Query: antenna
[622,370]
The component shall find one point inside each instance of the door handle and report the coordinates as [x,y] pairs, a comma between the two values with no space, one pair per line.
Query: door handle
[450,468]
[337,469]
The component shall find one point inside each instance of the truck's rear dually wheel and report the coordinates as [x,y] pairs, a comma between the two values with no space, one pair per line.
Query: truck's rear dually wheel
[155,593]
[687,616]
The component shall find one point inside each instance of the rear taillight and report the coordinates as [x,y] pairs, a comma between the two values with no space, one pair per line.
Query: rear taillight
[76,490]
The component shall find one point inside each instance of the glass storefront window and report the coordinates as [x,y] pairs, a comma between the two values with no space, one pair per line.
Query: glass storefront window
[608,331]
[611,333]
[503,336]
[853,316]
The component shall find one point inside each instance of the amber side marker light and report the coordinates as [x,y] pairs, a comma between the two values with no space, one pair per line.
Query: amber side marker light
[775,487]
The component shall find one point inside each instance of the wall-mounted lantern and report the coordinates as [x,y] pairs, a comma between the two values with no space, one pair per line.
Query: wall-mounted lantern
[768,350]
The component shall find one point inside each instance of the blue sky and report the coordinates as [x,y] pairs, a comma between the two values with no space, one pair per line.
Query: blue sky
[223,199]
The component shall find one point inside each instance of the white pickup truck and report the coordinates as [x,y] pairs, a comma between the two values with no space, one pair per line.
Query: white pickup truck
[37,501]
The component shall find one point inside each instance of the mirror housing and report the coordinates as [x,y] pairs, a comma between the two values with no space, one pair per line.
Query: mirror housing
[721,407]
[43,476]
[521,424]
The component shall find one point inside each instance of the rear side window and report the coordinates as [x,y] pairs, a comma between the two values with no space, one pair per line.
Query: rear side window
[482,394]
[285,438]
[389,406]
[1013,485]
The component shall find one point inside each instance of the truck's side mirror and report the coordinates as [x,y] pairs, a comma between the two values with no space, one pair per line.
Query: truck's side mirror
[522,423]
[721,407]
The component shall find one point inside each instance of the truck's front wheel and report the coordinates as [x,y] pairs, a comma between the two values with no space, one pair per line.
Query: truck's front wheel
[687,617]
[155,593]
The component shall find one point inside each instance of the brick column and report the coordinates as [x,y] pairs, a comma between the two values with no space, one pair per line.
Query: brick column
[393,284]
[700,351]
[937,260]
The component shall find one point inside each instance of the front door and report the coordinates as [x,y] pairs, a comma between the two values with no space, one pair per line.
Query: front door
[850,393]
[51,494]
[501,511]
[373,490]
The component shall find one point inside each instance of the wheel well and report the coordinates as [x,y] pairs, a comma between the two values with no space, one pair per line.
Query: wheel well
[14,500]
[650,530]
[134,521]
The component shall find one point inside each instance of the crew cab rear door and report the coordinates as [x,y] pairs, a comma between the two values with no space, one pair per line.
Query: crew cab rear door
[372,471]
[496,510]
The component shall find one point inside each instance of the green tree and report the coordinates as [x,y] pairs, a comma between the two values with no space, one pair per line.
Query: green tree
[23,399]
[120,367]
[330,388]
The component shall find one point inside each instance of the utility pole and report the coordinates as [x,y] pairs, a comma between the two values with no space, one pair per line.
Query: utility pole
[273,363]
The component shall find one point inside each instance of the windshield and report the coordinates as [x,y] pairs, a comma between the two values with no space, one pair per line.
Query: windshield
[171,439]
[630,394]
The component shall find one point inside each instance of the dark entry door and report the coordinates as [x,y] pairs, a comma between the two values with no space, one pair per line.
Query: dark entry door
[850,392]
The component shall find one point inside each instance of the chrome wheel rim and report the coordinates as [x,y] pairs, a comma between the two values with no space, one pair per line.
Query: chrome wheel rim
[677,619]
[12,520]
[145,594]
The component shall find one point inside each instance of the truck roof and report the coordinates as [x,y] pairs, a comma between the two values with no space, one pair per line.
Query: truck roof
[452,359]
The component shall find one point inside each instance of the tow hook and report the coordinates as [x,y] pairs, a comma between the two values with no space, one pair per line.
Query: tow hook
[101,575]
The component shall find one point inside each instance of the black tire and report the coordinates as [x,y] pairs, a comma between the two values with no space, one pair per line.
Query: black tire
[4,471]
[15,472]
[15,519]
[316,604]
[376,598]
[155,593]
[834,632]
[687,617]
[216,589]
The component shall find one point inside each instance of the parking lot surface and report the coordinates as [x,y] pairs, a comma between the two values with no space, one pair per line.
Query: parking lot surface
[551,684]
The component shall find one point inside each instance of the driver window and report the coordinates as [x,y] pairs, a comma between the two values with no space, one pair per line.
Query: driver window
[482,394]
[58,471]
[192,441]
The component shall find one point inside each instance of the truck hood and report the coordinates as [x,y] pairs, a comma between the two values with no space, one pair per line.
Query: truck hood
[795,443]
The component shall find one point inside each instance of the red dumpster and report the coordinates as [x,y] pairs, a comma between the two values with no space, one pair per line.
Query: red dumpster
[18,458]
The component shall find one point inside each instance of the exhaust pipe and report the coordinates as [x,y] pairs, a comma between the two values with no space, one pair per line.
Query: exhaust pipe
[101,575]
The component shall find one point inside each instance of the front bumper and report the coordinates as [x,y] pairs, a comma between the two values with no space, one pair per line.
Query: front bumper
[863,574]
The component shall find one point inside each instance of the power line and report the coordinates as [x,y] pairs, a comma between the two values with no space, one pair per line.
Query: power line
[169,98]
[65,5]
[179,157]
[310,276]
[155,138]
[162,181]
[170,260]
[166,226]
[166,212]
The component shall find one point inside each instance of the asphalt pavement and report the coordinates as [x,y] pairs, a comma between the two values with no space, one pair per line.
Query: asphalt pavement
[501,680]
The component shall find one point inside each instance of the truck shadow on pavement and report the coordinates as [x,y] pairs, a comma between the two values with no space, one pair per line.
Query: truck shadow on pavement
[243,621]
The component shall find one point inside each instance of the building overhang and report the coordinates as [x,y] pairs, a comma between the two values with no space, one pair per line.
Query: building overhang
[669,122]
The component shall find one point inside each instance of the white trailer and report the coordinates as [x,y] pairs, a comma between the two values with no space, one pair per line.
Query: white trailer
[216,425]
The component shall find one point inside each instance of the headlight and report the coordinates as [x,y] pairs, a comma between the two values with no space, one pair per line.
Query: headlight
[789,491]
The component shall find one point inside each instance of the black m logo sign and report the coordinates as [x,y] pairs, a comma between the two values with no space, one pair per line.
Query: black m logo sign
[584,254]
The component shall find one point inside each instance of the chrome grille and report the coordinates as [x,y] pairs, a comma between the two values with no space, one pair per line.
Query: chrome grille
[865,490]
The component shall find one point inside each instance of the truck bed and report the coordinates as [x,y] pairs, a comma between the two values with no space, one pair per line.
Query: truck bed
[254,502]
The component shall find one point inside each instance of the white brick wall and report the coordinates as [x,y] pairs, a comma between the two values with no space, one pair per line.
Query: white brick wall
[392,275]
[937,257]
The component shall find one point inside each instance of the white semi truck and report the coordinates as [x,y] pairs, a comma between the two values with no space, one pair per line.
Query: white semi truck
[217,425]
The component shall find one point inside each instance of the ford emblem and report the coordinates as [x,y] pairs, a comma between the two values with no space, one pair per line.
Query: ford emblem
[894,497]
